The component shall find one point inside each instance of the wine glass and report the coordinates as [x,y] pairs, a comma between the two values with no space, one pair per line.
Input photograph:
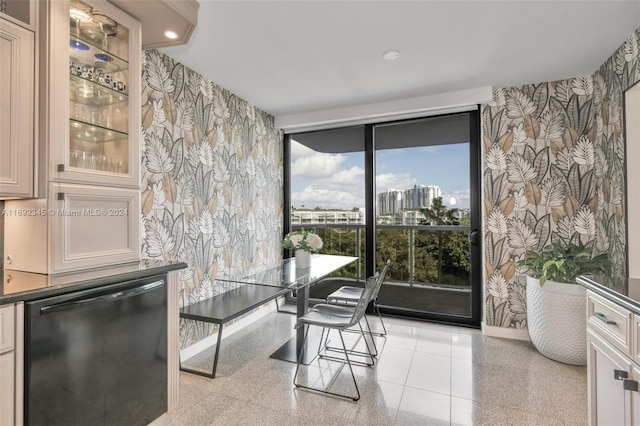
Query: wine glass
[79,12]
[108,26]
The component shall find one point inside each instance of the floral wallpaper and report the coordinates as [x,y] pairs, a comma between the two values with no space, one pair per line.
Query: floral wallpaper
[211,181]
[553,170]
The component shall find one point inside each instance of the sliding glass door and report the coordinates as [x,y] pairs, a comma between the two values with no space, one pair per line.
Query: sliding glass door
[424,216]
[420,177]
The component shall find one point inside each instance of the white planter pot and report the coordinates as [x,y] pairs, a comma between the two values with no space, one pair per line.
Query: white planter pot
[557,320]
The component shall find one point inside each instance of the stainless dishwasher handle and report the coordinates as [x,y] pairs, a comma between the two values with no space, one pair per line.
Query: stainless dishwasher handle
[106,297]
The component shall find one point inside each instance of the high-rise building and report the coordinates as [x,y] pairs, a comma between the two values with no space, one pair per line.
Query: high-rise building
[393,201]
[390,202]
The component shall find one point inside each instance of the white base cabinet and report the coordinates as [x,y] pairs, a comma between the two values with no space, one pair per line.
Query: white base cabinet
[11,353]
[613,372]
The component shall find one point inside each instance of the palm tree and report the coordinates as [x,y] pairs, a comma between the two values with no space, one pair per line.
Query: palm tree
[439,214]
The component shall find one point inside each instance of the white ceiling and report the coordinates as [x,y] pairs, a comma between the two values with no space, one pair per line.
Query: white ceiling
[290,57]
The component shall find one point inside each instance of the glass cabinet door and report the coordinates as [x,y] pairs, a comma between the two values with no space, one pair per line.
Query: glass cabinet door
[21,12]
[98,91]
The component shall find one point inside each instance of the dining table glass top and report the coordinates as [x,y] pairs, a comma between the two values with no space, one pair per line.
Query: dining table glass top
[287,275]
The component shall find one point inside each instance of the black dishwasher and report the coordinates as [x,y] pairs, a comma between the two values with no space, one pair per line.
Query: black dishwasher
[98,356]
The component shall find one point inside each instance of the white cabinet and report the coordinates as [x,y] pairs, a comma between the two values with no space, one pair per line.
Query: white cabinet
[87,213]
[94,94]
[610,403]
[17,110]
[11,352]
[613,374]
[78,227]
[7,380]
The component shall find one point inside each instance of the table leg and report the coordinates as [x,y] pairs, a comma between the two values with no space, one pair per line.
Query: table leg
[303,307]
[291,350]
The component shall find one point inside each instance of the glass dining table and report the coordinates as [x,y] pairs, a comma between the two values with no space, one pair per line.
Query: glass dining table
[287,275]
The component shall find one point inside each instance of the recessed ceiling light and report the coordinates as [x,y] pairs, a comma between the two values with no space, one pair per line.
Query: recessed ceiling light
[391,55]
[171,34]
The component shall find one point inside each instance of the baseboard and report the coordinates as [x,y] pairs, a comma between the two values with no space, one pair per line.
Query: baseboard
[210,341]
[505,333]
[163,420]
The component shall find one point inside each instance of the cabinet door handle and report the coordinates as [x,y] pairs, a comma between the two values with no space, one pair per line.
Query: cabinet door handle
[604,318]
[630,385]
[60,167]
[60,196]
[620,374]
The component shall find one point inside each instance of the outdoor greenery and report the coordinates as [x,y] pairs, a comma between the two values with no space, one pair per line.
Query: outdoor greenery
[563,263]
[440,257]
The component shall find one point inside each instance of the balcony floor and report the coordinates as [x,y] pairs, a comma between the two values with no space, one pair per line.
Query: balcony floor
[425,374]
[422,298]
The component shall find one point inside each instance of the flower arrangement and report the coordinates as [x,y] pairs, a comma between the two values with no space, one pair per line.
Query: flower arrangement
[308,241]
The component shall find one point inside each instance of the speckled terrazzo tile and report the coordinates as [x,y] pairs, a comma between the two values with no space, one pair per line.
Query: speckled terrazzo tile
[430,372]
[402,342]
[506,352]
[300,402]
[251,415]
[420,407]
[465,412]
[378,404]
[206,411]
[504,381]
[434,341]
[393,365]
[531,390]
[191,386]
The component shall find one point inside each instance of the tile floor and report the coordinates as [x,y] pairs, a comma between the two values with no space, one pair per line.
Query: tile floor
[426,374]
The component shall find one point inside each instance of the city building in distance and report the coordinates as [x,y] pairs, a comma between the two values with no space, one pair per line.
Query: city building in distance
[394,207]
[393,201]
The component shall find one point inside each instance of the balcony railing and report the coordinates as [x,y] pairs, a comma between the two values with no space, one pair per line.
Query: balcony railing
[422,255]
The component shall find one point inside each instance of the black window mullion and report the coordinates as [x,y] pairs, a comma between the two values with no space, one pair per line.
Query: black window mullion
[370,199]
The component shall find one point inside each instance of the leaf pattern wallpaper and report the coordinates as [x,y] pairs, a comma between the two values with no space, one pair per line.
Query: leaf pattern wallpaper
[553,169]
[211,179]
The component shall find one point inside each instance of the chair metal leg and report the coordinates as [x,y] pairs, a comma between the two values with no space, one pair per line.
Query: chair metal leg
[376,308]
[367,355]
[348,361]
[353,376]
[364,336]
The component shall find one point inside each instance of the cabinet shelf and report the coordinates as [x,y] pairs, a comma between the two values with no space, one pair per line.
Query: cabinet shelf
[88,92]
[85,52]
[88,132]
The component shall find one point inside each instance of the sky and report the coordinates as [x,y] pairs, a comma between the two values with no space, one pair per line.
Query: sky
[337,180]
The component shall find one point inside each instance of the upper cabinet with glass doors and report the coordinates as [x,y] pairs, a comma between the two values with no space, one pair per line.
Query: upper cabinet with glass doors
[94,87]
[21,12]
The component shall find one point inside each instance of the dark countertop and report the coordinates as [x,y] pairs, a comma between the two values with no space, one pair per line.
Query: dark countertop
[623,291]
[18,286]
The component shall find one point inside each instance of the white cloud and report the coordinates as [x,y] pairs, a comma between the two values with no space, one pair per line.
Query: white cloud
[394,181]
[318,195]
[352,176]
[317,165]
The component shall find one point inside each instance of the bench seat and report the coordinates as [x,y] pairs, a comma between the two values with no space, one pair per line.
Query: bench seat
[225,307]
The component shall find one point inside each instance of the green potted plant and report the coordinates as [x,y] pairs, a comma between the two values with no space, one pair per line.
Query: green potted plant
[556,305]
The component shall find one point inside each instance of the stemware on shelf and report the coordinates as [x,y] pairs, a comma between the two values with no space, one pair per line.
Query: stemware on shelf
[98,99]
